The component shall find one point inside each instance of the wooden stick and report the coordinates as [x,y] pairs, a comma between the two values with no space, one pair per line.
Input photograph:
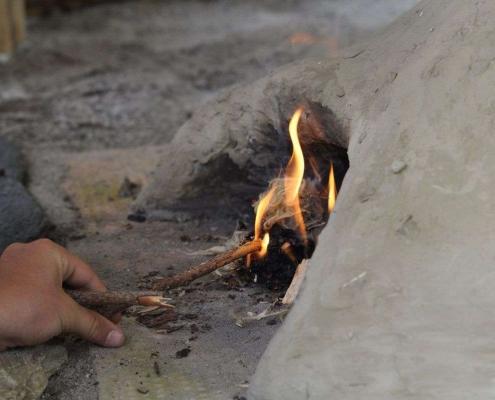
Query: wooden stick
[6,29]
[19,18]
[110,303]
[206,267]
[295,285]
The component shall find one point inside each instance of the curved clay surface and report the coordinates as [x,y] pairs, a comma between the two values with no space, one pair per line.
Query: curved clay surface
[397,304]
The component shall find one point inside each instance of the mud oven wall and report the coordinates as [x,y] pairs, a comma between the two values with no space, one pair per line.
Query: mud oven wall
[397,301]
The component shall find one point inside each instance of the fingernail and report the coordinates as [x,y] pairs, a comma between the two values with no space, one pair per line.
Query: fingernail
[114,339]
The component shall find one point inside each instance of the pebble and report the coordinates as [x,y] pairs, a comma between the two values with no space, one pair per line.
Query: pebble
[142,390]
[398,166]
[340,92]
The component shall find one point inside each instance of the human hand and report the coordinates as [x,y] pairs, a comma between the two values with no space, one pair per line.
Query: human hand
[33,305]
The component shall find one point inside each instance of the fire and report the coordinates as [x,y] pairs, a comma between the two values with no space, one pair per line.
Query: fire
[332,191]
[264,245]
[281,204]
[294,174]
[261,209]
[302,38]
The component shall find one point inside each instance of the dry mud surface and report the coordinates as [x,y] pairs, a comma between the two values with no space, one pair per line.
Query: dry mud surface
[90,99]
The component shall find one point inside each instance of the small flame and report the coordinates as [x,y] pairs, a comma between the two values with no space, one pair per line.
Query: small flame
[295,173]
[302,38]
[283,199]
[263,205]
[261,209]
[331,190]
[264,245]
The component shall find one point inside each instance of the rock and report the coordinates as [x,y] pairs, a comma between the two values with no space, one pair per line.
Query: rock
[390,312]
[398,166]
[385,312]
[21,218]
[24,373]
[236,143]
[11,163]
[340,92]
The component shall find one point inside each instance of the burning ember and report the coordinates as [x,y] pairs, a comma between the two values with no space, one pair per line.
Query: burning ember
[332,190]
[292,211]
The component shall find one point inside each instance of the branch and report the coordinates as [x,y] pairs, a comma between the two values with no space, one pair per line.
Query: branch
[110,303]
[295,285]
[195,272]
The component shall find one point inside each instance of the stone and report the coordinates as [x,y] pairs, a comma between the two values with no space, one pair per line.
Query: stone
[397,303]
[398,166]
[21,218]
[236,142]
[385,311]
[138,378]
[24,373]
[340,92]
[11,162]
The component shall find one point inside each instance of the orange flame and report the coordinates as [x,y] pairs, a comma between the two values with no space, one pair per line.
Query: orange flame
[261,209]
[332,192]
[264,245]
[295,173]
[302,38]
[292,182]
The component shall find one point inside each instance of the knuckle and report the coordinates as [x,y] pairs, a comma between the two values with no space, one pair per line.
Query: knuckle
[42,244]
[13,249]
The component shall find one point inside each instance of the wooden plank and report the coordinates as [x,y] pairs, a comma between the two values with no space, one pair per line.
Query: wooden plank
[6,28]
[12,26]
[19,17]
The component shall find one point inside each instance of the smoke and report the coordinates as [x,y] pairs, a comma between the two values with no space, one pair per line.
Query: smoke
[370,14]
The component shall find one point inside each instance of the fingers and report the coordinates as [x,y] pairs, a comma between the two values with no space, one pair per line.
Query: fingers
[70,269]
[75,272]
[90,325]
[116,318]
[80,275]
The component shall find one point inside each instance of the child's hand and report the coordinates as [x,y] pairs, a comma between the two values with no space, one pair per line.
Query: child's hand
[33,305]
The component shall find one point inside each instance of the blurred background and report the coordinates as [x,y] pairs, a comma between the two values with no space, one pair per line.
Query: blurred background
[99,74]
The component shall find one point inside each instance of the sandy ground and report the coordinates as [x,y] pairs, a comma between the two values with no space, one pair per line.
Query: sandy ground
[90,99]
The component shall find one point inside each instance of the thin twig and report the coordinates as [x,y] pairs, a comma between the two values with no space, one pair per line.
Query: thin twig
[295,285]
[109,303]
[209,266]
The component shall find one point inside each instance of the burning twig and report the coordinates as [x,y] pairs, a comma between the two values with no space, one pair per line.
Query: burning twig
[109,303]
[206,267]
[295,285]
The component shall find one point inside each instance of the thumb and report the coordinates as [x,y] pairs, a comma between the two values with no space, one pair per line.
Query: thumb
[91,326]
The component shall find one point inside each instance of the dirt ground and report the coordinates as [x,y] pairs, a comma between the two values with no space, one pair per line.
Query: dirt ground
[90,99]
